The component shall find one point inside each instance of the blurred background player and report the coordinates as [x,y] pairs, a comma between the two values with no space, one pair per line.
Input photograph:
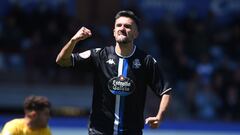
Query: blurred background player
[35,122]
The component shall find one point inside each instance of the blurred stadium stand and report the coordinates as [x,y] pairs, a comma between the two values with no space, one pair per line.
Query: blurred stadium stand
[196,42]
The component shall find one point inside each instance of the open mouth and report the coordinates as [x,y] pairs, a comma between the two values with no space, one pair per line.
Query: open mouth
[121,33]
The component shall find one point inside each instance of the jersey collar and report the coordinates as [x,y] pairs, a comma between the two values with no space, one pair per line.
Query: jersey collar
[134,49]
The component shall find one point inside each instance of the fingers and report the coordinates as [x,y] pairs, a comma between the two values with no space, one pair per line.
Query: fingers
[153,122]
[82,34]
[154,125]
[149,119]
[86,31]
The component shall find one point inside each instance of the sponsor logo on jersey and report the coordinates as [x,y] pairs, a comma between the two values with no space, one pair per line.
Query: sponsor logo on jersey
[121,86]
[136,64]
[110,61]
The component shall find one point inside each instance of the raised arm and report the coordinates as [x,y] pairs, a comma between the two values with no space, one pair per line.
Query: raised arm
[64,57]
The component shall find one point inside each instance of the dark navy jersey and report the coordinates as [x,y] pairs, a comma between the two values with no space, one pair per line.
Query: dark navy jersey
[120,85]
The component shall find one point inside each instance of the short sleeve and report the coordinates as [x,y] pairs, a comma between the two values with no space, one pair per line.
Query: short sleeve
[9,129]
[155,77]
[85,59]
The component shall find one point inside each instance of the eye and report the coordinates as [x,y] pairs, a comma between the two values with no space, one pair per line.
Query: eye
[118,25]
[128,26]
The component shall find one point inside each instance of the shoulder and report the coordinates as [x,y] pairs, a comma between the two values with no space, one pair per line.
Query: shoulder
[151,59]
[15,122]
[107,49]
[102,52]
[147,58]
[13,126]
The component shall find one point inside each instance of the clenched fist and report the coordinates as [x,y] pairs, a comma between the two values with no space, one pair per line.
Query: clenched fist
[153,122]
[82,34]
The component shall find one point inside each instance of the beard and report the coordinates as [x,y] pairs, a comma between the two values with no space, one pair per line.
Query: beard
[121,39]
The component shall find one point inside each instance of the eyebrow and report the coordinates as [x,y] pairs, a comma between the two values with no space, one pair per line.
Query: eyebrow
[128,24]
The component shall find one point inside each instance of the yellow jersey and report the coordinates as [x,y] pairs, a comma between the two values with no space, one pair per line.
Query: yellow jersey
[19,127]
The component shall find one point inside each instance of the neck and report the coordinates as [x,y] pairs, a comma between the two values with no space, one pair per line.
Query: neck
[124,49]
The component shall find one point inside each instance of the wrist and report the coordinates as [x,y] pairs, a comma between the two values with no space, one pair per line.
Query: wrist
[73,41]
[160,116]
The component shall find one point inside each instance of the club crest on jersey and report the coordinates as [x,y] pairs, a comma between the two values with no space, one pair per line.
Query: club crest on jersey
[110,61]
[136,64]
[121,85]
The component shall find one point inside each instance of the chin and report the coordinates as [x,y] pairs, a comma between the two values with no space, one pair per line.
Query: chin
[122,41]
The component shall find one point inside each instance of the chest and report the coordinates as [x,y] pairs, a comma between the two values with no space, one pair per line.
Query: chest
[115,66]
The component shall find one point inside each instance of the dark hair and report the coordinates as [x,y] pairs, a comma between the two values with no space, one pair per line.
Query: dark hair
[128,13]
[37,103]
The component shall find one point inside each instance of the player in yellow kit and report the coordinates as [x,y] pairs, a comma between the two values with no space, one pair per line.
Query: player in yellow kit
[35,122]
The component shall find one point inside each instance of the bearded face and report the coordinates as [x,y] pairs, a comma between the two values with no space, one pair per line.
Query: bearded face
[122,37]
[125,30]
